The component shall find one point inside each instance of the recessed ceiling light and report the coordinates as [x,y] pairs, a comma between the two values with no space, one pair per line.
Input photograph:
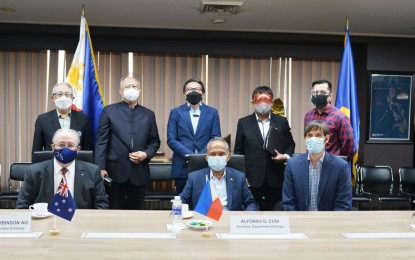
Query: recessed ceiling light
[8,9]
[217,21]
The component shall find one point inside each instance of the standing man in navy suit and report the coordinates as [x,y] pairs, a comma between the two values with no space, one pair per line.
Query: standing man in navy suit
[264,171]
[127,139]
[190,128]
[61,117]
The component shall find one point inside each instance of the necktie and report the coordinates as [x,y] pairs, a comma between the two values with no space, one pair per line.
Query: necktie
[63,172]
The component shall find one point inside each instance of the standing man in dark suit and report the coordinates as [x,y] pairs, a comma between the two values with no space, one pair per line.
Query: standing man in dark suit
[84,179]
[61,117]
[265,172]
[190,128]
[317,180]
[127,139]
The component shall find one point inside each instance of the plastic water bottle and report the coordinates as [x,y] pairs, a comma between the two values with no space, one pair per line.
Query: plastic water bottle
[177,215]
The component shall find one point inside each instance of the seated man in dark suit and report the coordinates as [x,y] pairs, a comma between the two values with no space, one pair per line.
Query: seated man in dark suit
[61,117]
[230,184]
[84,179]
[317,181]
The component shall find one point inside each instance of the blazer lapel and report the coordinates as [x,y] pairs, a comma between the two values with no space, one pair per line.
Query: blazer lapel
[186,116]
[49,181]
[78,183]
[229,187]
[203,115]
[74,121]
[255,129]
[305,180]
[324,176]
[54,120]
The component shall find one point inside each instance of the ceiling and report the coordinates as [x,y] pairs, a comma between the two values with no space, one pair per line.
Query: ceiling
[386,18]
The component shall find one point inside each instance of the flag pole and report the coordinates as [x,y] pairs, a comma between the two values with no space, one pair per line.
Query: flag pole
[54,231]
[206,233]
[83,10]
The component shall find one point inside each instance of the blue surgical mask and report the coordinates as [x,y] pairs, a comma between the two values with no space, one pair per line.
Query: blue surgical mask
[65,155]
[217,163]
[315,144]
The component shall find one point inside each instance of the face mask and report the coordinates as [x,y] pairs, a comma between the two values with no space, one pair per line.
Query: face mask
[194,97]
[63,103]
[217,163]
[131,94]
[262,108]
[65,155]
[320,101]
[315,144]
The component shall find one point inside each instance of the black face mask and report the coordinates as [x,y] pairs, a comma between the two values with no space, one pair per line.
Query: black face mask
[194,97]
[320,101]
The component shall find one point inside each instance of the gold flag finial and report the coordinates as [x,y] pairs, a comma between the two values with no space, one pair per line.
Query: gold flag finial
[83,10]
[347,23]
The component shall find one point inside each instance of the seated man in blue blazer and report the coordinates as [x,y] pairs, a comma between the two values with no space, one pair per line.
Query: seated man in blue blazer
[230,184]
[84,179]
[317,180]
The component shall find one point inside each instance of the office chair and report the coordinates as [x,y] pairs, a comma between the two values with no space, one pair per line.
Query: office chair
[377,181]
[161,189]
[16,173]
[198,161]
[83,155]
[407,183]
[357,196]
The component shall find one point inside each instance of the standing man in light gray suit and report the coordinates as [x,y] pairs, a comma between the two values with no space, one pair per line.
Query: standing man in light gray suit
[190,128]
[84,179]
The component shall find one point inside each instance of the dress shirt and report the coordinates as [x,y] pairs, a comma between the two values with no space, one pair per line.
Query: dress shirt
[194,117]
[264,125]
[70,176]
[64,121]
[313,182]
[220,188]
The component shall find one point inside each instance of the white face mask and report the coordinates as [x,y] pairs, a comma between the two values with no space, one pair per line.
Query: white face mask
[63,103]
[262,108]
[131,94]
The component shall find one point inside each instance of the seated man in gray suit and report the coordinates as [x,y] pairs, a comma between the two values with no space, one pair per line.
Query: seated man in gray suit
[230,184]
[317,181]
[84,179]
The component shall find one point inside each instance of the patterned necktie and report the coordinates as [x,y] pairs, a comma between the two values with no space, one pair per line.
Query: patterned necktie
[63,172]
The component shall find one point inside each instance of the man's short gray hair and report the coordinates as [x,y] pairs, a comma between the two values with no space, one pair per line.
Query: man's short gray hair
[129,75]
[66,132]
[62,83]
[217,139]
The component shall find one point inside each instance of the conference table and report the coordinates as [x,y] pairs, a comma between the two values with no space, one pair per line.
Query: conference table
[323,230]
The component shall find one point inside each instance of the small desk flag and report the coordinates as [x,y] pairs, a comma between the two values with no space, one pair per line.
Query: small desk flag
[209,203]
[62,204]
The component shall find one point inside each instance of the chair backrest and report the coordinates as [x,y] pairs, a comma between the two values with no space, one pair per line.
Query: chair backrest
[407,179]
[198,161]
[160,172]
[378,178]
[18,170]
[83,155]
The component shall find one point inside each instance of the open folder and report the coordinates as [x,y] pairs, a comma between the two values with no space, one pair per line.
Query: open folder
[276,140]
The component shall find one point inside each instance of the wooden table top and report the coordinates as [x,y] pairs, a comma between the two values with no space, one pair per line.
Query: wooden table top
[323,230]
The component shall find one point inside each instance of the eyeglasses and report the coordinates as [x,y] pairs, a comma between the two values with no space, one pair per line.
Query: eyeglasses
[263,100]
[60,94]
[63,145]
[131,86]
[193,89]
[319,92]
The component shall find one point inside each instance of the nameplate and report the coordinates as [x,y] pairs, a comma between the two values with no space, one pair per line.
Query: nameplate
[15,223]
[259,224]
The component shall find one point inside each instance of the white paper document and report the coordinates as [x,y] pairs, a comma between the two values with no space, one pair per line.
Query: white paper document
[21,235]
[261,236]
[99,235]
[379,235]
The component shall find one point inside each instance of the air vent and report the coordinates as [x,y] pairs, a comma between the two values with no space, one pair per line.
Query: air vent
[221,7]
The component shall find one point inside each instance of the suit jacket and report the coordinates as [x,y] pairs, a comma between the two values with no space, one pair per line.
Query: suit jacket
[48,123]
[258,163]
[238,194]
[39,186]
[123,130]
[181,138]
[334,189]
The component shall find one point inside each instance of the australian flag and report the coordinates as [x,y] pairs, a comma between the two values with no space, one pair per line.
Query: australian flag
[62,204]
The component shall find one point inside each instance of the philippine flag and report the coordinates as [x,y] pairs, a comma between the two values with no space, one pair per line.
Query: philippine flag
[209,203]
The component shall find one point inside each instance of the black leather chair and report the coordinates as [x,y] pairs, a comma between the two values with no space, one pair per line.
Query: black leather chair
[16,173]
[83,155]
[377,181]
[407,183]
[358,197]
[159,190]
[198,161]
